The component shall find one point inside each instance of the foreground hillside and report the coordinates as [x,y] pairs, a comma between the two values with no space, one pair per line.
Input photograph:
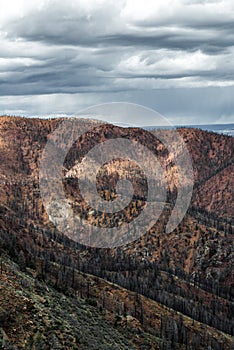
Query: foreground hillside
[34,315]
[38,315]
[163,291]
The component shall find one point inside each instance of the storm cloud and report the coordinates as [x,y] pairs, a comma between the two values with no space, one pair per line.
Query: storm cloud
[176,56]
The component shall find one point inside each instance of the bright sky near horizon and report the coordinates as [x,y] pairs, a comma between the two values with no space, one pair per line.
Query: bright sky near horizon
[175,56]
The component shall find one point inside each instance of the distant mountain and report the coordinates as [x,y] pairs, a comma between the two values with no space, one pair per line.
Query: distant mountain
[225,129]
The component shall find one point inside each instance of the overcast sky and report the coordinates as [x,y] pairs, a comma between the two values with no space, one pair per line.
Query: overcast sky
[175,56]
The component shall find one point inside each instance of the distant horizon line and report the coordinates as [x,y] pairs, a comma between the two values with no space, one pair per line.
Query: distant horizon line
[56,116]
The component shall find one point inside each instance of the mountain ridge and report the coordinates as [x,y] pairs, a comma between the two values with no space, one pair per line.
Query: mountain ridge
[189,271]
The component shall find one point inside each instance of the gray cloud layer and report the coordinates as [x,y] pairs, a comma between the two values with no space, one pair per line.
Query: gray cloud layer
[99,51]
